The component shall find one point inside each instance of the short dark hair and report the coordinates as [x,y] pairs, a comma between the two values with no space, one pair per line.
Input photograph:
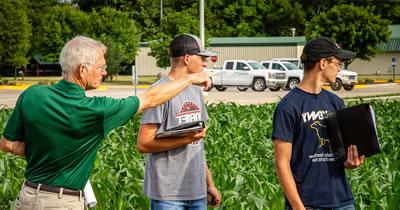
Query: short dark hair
[308,65]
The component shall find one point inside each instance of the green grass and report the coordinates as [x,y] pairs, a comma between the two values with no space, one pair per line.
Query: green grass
[240,156]
[378,77]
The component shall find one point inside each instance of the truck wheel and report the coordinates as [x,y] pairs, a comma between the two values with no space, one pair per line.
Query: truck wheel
[220,88]
[242,88]
[277,88]
[259,85]
[293,82]
[348,87]
[336,85]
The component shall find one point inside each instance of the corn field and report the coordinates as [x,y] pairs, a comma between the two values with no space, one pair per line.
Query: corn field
[239,153]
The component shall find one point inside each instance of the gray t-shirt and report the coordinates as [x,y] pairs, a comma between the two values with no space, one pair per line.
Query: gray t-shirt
[177,174]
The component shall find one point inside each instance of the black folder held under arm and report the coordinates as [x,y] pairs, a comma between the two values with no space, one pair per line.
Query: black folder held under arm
[354,125]
[182,130]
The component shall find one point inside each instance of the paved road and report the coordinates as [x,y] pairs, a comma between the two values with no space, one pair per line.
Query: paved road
[8,97]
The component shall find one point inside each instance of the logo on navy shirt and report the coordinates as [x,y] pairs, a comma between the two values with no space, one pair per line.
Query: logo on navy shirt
[314,115]
[317,125]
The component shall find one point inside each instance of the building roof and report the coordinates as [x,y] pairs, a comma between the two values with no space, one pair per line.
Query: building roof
[395,29]
[257,41]
[393,44]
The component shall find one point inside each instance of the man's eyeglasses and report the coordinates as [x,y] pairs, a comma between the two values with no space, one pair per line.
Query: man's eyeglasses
[339,64]
[101,67]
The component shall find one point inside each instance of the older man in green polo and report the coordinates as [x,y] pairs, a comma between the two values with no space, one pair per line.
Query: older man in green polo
[59,130]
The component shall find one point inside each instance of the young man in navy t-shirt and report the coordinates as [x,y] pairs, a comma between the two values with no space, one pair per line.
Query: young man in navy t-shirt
[307,172]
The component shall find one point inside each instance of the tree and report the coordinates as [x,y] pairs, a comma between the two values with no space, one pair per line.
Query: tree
[354,28]
[389,10]
[235,18]
[147,14]
[159,50]
[254,18]
[172,24]
[281,17]
[119,33]
[60,24]
[35,7]
[15,32]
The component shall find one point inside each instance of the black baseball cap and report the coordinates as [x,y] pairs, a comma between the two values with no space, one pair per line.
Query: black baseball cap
[324,47]
[187,44]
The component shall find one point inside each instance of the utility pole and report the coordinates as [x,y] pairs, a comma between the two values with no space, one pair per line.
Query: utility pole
[202,38]
[161,10]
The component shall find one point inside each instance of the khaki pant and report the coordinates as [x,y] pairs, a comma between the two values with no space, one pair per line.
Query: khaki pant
[35,199]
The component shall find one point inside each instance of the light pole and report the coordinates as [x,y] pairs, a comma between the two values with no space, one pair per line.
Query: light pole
[202,22]
[293,31]
[161,10]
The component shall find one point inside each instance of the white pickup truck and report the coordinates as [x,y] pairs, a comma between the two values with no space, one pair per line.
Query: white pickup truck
[345,78]
[244,74]
[292,72]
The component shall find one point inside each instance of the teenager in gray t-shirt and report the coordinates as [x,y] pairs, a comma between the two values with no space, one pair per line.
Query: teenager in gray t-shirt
[177,174]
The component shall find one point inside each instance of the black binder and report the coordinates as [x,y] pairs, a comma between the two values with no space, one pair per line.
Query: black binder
[354,125]
[182,130]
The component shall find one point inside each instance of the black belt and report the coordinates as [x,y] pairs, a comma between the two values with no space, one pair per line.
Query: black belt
[48,188]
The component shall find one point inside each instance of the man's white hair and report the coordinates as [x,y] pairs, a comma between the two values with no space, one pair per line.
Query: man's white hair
[79,50]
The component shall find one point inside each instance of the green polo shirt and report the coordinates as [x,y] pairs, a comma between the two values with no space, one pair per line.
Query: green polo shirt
[63,129]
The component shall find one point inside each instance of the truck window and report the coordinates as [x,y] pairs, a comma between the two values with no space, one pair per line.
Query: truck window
[266,65]
[229,65]
[277,66]
[290,66]
[241,66]
[256,65]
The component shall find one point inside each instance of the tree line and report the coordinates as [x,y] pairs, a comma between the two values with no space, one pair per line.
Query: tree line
[41,27]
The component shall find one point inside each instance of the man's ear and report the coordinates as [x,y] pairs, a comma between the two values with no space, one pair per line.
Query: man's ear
[321,64]
[186,59]
[81,70]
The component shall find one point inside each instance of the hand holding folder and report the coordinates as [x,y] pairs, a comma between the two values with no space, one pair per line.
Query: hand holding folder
[354,125]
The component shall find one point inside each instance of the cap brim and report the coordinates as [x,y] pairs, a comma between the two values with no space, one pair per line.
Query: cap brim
[206,53]
[345,55]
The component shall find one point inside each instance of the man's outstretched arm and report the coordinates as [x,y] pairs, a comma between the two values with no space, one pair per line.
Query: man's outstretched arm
[162,93]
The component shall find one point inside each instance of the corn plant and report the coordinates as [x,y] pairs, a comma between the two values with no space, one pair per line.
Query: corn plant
[240,156]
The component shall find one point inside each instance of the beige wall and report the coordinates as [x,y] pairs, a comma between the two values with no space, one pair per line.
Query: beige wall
[146,65]
[381,62]
[260,53]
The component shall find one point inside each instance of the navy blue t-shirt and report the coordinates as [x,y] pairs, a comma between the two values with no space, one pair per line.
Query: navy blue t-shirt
[299,119]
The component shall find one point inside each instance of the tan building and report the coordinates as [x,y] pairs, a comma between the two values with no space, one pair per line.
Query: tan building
[266,48]
[381,63]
